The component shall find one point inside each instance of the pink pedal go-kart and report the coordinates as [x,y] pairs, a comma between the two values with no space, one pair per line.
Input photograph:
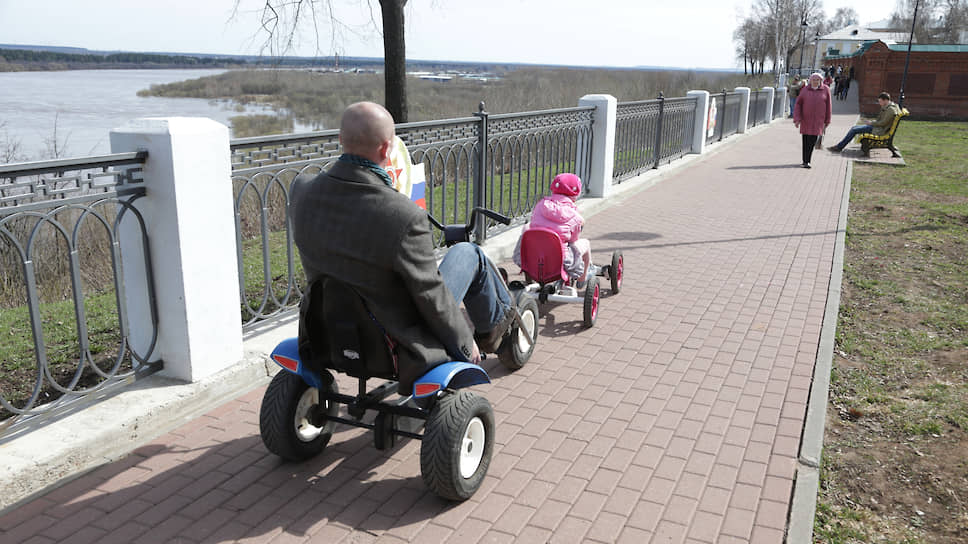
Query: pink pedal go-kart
[302,403]
[547,280]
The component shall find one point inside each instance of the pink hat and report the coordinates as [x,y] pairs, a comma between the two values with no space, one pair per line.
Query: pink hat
[566,184]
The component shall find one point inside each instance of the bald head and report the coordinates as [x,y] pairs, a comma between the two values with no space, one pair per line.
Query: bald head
[365,130]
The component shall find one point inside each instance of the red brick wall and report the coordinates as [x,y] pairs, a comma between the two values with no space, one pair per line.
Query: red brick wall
[936,87]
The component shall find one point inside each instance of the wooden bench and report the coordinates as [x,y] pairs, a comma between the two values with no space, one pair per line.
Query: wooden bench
[885,141]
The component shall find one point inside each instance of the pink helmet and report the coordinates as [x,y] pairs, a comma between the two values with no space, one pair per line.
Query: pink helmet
[566,184]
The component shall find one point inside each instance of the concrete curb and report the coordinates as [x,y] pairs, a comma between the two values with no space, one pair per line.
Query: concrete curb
[803,508]
[57,453]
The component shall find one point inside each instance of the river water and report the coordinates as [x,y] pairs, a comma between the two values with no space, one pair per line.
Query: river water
[84,105]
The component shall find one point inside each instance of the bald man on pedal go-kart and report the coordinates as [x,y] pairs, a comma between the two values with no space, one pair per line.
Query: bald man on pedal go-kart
[349,223]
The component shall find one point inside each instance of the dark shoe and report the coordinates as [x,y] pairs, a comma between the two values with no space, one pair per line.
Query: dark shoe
[806,165]
[488,342]
[834,149]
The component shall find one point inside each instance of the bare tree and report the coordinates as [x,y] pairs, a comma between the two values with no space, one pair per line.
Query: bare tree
[752,45]
[743,38]
[954,21]
[775,13]
[11,149]
[282,21]
[395,59]
[55,147]
[844,17]
[784,19]
[925,28]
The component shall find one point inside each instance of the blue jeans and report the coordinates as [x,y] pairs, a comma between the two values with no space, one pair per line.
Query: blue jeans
[854,131]
[469,277]
[793,103]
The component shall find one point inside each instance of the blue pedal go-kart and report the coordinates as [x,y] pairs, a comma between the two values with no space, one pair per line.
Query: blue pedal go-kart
[302,404]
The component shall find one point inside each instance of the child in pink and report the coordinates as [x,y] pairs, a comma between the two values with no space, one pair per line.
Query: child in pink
[559,213]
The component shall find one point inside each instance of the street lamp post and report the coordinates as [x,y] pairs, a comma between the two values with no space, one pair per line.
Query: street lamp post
[803,32]
[907,60]
[816,51]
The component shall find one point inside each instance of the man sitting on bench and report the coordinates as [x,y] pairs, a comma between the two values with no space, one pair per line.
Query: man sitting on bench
[878,127]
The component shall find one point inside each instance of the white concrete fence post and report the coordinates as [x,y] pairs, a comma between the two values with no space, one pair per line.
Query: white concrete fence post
[189,216]
[599,180]
[770,99]
[744,109]
[702,120]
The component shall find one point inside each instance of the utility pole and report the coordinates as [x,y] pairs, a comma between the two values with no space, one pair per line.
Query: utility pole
[803,32]
[907,60]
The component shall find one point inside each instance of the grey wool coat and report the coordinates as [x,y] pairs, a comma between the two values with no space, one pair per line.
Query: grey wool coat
[349,225]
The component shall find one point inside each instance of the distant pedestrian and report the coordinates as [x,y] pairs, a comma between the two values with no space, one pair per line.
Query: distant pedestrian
[793,91]
[812,113]
[844,87]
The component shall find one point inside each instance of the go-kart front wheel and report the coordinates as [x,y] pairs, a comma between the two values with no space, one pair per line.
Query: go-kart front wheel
[457,444]
[290,420]
[515,350]
[592,296]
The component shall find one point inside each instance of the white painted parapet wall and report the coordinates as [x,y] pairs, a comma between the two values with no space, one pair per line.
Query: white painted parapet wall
[189,215]
[702,120]
[770,99]
[744,108]
[603,143]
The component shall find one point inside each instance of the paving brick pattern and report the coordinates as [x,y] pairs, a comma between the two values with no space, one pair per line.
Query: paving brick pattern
[677,418]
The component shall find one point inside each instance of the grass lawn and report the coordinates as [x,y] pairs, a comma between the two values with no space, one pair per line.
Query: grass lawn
[894,464]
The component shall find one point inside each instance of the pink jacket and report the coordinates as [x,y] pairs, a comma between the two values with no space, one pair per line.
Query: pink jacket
[560,214]
[813,109]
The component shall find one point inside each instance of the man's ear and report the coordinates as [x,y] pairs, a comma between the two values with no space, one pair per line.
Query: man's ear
[384,151]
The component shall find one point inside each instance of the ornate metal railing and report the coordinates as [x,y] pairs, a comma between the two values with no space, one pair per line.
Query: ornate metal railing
[727,119]
[525,151]
[759,102]
[779,96]
[68,229]
[504,162]
[650,132]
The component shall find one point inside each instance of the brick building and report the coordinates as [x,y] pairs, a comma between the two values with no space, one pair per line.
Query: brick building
[937,80]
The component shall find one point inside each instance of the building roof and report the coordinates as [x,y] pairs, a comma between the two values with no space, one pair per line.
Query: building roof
[862,33]
[948,48]
[939,48]
[863,49]
[883,25]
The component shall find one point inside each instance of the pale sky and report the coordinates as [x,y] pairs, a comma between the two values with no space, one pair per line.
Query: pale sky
[622,33]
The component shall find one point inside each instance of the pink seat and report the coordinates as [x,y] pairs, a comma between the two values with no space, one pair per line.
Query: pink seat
[541,255]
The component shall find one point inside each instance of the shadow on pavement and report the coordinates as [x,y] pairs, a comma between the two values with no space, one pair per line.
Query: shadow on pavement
[236,489]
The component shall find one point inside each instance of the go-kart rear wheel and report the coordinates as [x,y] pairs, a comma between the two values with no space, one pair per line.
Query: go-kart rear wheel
[615,271]
[457,444]
[286,418]
[592,296]
[515,351]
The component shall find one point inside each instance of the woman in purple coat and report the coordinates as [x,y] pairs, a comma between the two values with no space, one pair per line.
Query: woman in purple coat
[812,114]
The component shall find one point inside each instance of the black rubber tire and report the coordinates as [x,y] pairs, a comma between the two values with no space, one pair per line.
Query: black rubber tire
[616,271]
[443,445]
[514,351]
[277,418]
[592,299]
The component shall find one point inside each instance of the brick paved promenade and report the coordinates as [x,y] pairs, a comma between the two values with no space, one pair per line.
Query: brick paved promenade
[677,418]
